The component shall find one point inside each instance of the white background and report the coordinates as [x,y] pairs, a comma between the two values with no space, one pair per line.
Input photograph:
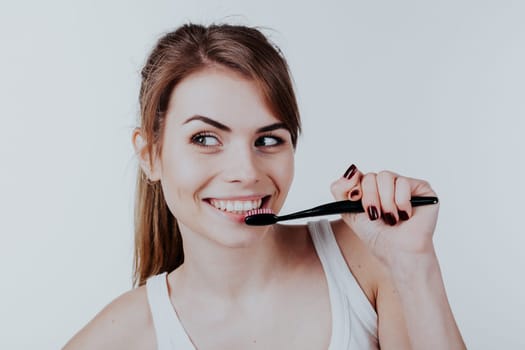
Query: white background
[429,89]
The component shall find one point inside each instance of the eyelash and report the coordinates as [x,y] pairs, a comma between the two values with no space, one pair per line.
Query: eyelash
[202,135]
[278,140]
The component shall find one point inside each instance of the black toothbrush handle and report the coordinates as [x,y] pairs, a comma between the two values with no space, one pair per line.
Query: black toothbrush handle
[348,207]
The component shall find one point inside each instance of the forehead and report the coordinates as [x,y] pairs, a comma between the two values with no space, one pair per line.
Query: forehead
[221,94]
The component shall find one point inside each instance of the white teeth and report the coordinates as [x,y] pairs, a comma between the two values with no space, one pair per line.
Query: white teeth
[249,205]
[236,206]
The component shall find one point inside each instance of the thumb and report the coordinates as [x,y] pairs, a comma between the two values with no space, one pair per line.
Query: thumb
[348,186]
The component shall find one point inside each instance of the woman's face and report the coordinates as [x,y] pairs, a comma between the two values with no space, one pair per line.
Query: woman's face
[223,153]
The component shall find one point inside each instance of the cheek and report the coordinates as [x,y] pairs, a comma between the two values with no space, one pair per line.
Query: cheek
[284,173]
[182,177]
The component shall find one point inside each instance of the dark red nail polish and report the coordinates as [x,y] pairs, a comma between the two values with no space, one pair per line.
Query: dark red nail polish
[389,219]
[350,172]
[372,213]
[403,215]
[354,193]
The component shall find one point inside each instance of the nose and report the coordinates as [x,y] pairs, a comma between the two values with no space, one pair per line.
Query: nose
[242,166]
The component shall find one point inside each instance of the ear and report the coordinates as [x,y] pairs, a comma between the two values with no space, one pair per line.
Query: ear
[151,169]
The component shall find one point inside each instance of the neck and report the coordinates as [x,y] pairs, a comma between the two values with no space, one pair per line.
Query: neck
[230,273]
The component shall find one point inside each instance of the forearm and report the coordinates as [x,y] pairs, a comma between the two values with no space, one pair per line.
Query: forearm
[429,319]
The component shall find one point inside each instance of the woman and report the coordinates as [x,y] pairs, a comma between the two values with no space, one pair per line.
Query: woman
[219,126]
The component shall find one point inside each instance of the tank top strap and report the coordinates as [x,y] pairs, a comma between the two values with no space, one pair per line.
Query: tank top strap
[358,321]
[168,328]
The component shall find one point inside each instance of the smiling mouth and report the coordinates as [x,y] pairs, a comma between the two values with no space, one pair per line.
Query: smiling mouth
[238,206]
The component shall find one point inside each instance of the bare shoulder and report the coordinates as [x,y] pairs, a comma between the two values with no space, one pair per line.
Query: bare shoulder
[125,323]
[354,250]
[362,263]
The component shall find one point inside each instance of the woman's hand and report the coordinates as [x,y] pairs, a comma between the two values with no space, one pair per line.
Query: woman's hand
[401,237]
[390,227]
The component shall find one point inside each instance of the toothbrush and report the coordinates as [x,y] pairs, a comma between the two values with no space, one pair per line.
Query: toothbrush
[265,216]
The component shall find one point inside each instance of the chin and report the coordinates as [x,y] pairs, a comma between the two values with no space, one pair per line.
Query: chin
[239,238]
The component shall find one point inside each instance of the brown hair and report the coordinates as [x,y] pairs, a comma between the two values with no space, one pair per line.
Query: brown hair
[192,47]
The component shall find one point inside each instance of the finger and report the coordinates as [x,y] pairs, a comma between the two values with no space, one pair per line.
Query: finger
[386,188]
[402,198]
[416,187]
[355,193]
[353,174]
[350,172]
[370,196]
[347,184]
[420,187]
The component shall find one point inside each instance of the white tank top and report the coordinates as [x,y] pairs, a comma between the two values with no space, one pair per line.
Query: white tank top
[354,320]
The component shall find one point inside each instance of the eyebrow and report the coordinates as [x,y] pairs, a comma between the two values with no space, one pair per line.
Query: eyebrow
[223,127]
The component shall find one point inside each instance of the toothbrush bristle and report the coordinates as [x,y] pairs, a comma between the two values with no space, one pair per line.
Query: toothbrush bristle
[260,217]
[259,211]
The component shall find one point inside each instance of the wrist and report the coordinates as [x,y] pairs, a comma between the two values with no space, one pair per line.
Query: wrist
[414,268]
[419,284]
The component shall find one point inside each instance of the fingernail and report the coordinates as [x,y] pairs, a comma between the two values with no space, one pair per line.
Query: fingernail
[350,172]
[354,193]
[403,215]
[389,219]
[372,213]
